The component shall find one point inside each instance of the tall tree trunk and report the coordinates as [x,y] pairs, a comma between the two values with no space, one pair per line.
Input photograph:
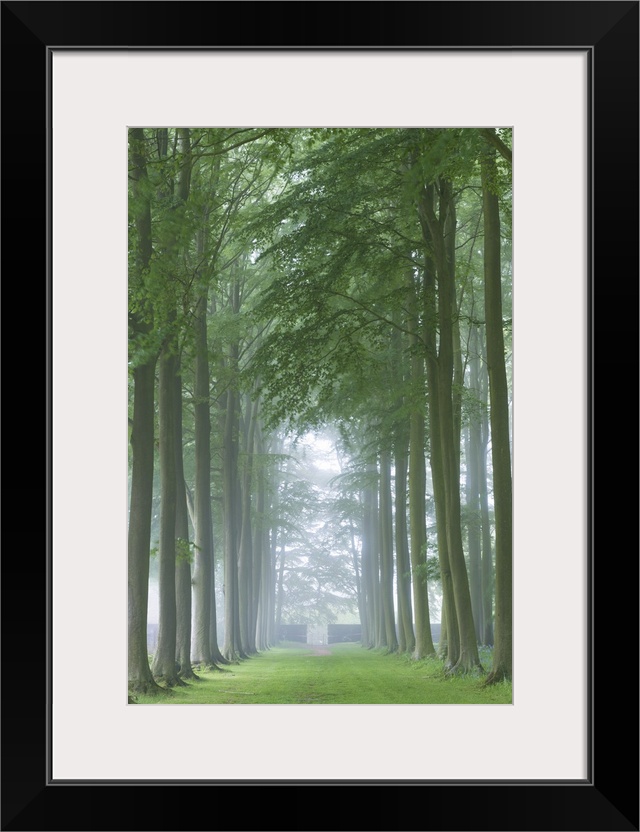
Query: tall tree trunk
[386,553]
[406,637]
[164,662]
[500,440]
[417,508]
[357,571]
[472,517]
[268,594]
[245,548]
[449,622]
[139,539]
[370,555]
[280,586]
[214,645]
[487,544]
[232,650]
[398,374]
[441,230]
[450,433]
[142,446]
[203,559]
[183,560]
[377,618]
[474,520]
[259,542]
[368,625]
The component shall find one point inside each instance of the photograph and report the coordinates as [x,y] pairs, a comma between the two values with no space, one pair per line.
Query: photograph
[334,305]
[320,400]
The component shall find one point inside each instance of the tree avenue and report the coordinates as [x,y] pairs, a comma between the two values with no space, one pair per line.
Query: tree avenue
[319,395]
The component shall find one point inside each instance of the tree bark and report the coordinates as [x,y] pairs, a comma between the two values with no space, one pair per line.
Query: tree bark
[183,558]
[232,649]
[280,586]
[203,565]
[473,515]
[500,438]
[370,555]
[139,536]
[259,542]
[449,622]
[442,231]
[164,662]
[386,553]
[268,593]
[142,446]
[406,636]
[245,553]
[487,544]
[417,507]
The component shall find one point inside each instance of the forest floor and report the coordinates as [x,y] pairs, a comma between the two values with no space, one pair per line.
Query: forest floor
[319,650]
[348,674]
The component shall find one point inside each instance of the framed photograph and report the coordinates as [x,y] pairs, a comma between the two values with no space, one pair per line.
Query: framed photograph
[564,78]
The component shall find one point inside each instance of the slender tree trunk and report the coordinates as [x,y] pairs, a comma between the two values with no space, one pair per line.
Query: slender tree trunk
[472,516]
[370,556]
[216,654]
[139,541]
[368,570]
[271,608]
[449,621]
[500,439]
[406,636]
[245,556]
[450,436]
[232,650]
[280,586]
[417,508]
[386,553]
[259,542]
[142,447]
[374,537]
[474,524]
[164,662]
[487,544]
[203,565]
[268,594]
[441,229]
[183,563]
[357,571]
[443,642]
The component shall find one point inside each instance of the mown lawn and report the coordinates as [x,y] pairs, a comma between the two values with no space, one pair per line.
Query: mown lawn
[339,674]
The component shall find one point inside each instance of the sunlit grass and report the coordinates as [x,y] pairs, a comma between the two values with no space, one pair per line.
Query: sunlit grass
[340,674]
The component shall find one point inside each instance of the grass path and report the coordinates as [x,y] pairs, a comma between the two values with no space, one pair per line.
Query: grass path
[335,675]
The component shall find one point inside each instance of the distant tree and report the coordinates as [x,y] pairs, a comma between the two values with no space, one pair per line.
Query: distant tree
[183,550]
[390,639]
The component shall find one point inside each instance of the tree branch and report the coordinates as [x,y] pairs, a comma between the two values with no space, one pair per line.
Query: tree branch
[493,139]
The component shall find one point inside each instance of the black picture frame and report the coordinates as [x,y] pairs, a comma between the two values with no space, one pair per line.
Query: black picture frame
[608,798]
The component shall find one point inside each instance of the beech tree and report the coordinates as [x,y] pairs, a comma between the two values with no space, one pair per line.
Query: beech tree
[500,434]
[142,360]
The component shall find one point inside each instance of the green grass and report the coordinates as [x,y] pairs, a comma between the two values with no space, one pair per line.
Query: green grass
[349,674]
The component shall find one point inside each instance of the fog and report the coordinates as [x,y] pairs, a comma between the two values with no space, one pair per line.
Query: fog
[322,544]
